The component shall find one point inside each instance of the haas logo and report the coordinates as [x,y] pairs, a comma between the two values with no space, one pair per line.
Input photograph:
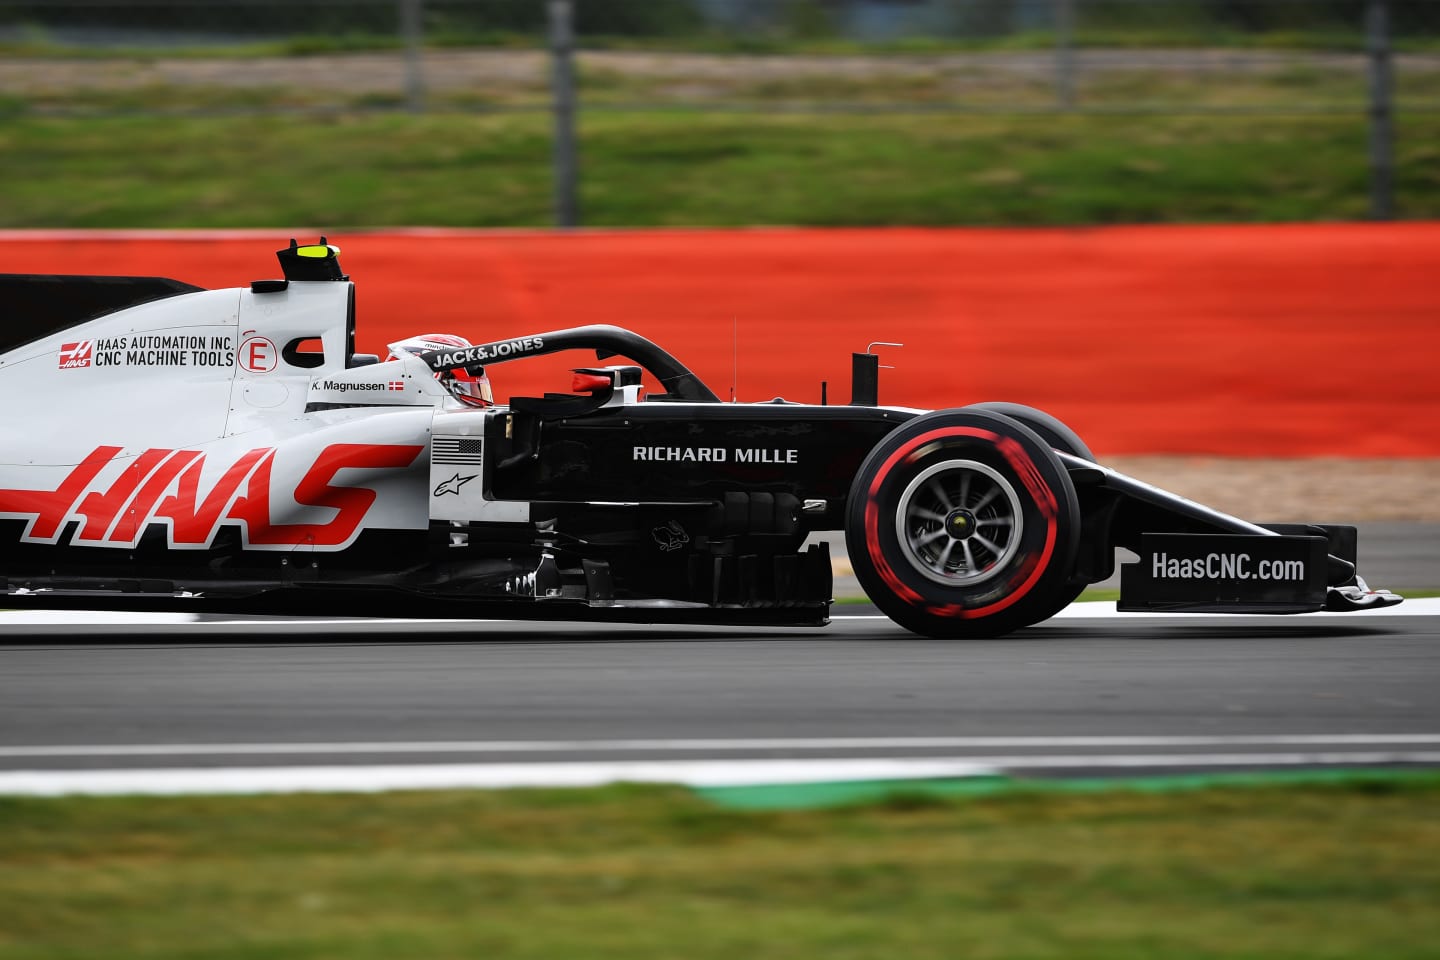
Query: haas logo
[73,355]
[164,487]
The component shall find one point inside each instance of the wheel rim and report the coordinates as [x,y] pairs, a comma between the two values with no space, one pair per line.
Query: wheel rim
[959,522]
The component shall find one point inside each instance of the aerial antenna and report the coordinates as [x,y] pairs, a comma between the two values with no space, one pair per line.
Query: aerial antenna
[734,355]
[883,343]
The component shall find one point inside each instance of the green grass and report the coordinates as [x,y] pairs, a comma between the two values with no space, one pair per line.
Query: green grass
[677,168]
[968,153]
[1299,85]
[1346,37]
[1333,871]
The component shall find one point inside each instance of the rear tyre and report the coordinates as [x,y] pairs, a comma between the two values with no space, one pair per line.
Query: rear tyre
[963,523]
[1051,429]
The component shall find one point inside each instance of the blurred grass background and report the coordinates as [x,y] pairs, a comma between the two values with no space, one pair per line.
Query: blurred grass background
[669,169]
[1337,871]
[708,112]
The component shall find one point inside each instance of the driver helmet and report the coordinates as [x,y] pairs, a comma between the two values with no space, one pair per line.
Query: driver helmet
[468,384]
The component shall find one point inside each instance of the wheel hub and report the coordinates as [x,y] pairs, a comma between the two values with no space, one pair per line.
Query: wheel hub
[960,525]
[959,522]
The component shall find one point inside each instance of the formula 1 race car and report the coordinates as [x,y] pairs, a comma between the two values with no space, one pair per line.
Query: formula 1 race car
[168,447]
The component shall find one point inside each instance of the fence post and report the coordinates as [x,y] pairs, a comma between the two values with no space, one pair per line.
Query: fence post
[412,33]
[1064,14]
[1382,110]
[562,56]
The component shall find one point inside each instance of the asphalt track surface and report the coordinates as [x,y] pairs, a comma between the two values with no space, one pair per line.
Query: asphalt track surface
[1077,695]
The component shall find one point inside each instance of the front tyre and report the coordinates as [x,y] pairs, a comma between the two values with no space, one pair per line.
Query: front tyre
[1060,437]
[962,523]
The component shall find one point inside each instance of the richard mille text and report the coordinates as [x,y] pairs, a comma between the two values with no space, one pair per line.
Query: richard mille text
[716,454]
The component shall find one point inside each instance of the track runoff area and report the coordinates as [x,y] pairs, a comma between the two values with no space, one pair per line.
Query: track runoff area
[154,704]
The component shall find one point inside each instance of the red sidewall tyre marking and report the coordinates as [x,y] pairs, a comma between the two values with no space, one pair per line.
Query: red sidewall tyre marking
[1029,474]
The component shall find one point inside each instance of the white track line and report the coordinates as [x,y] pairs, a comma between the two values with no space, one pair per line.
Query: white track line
[1422,606]
[1203,760]
[1106,610]
[421,747]
[705,773]
[1425,606]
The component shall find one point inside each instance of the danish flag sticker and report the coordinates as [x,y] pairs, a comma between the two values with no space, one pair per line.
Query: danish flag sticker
[79,354]
[397,384]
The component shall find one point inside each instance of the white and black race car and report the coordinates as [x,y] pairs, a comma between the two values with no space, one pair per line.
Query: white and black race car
[170,447]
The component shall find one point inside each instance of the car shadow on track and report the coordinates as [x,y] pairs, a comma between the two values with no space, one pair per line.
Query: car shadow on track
[850,623]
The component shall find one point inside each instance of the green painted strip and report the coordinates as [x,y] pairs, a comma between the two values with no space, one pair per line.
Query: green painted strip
[810,796]
[806,796]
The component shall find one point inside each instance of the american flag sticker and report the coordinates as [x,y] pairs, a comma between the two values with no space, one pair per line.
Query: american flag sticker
[466,450]
[77,354]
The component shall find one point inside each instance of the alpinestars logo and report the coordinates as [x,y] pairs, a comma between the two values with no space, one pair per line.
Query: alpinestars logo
[79,354]
[453,485]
